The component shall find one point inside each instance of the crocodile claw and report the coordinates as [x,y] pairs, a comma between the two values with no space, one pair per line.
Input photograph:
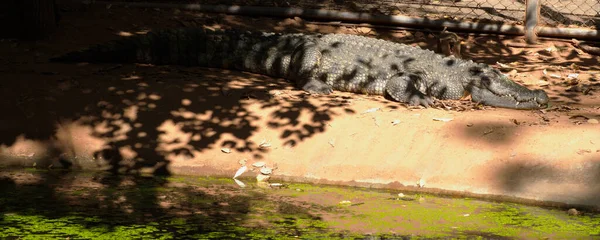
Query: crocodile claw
[423,100]
[317,87]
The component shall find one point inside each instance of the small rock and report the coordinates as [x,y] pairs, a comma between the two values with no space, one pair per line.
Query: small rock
[573,212]
[592,121]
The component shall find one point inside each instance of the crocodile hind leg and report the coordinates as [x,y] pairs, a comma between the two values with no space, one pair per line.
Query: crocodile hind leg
[404,89]
[305,67]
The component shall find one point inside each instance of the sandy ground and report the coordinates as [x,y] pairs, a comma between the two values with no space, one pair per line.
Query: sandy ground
[171,119]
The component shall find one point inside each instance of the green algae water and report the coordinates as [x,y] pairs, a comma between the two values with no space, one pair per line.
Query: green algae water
[67,205]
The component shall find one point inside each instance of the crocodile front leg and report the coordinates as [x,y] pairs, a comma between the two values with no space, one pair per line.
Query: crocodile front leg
[305,67]
[403,89]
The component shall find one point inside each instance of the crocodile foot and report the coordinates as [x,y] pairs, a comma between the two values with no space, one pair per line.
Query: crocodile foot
[419,99]
[317,87]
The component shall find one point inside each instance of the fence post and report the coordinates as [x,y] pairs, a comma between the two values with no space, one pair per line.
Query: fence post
[532,17]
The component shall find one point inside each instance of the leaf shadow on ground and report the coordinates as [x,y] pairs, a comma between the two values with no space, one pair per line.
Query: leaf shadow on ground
[100,205]
[144,116]
[523,174]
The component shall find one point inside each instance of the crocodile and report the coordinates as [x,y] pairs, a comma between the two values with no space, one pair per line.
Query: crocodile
[321,63]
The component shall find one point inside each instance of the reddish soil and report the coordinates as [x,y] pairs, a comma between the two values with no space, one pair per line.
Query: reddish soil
[137,118]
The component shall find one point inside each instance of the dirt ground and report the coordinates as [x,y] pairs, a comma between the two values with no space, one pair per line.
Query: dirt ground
[173,119]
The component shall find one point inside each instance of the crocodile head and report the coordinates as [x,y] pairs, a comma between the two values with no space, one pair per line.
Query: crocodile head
[490,87]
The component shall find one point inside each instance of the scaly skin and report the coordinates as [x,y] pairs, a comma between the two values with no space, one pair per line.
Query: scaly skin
[321,63]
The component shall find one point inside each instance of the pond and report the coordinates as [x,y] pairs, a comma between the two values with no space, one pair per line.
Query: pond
[44,204]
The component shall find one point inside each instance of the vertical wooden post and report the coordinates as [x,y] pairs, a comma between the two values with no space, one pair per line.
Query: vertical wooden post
[532,17]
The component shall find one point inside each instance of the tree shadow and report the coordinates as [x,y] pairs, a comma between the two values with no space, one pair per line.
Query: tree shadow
[141,111]
[108,205]
[517,176]
[147,115]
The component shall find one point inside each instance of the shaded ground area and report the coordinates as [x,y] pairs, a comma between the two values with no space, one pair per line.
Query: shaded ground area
[158,119]
[55,204]
[575,13]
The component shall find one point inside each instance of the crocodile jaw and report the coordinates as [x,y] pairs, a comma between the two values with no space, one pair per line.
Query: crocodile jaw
[534,99]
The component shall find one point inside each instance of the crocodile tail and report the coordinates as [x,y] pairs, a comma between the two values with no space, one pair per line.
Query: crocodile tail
[188,47]
[122,50]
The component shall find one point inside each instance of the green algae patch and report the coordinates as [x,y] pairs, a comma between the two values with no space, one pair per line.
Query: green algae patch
[426,215]
[100,206]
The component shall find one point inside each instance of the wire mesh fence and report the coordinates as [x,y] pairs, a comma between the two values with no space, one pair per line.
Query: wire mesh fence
[580,13]
[573,13]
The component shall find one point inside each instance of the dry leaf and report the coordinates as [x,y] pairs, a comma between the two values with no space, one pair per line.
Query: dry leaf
[239,183]
[264,144]
[502,65]
[421,183]
[266,170]
[370,110]
[240,171]
[262,178]
[276,185]
[243,162]
[573,76]
[443,119]
[543,83]
[259,164]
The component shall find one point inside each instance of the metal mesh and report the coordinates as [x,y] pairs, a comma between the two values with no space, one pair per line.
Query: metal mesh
[577,13]
[574,13]
[475,10]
